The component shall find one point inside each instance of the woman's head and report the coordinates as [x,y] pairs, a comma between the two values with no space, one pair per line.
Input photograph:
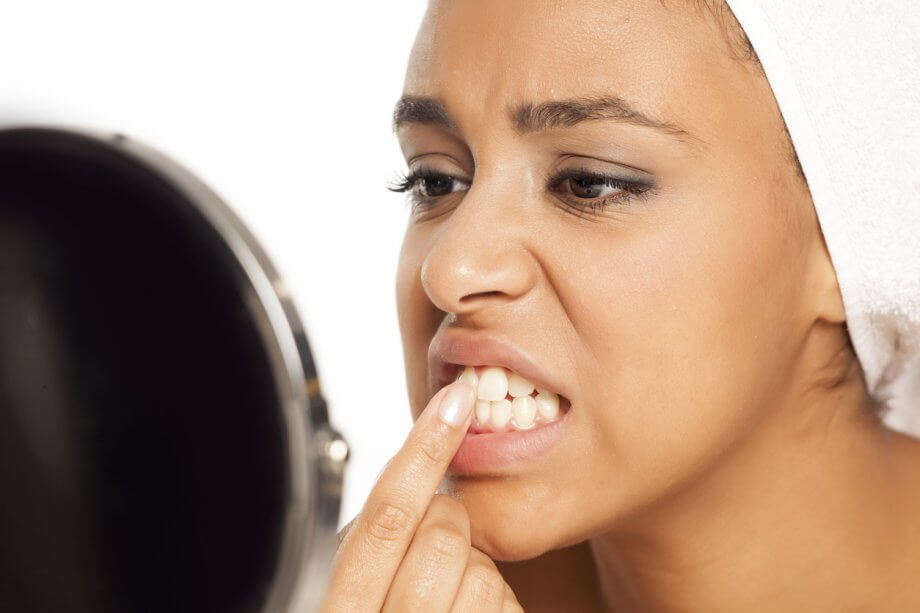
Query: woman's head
[608,187]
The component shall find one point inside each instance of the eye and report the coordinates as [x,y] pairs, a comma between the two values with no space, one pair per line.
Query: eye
[429,184]
[433,186]
[583,188]
[590,187]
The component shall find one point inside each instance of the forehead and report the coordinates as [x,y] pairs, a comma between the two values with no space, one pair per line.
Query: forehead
[479,56]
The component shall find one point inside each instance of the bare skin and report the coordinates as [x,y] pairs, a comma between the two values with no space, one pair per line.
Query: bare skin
[723,453]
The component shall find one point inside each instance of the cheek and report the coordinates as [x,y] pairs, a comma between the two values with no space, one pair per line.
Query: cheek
[684,333]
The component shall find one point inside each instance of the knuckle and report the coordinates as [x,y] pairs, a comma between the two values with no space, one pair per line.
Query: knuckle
[486,584]
[389,522]
[445,541]
[432,450]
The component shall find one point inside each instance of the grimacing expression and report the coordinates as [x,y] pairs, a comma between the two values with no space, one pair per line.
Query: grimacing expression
[666,288]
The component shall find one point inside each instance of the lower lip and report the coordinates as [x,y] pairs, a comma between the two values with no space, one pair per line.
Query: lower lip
[495,452]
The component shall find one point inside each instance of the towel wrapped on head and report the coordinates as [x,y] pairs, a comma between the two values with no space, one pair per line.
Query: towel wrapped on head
[846,77]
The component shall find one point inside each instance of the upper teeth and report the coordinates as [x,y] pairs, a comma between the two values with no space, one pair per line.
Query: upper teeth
[519,386]
[493,384]
[547,404]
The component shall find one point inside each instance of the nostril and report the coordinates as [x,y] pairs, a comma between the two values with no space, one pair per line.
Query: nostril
[479,295]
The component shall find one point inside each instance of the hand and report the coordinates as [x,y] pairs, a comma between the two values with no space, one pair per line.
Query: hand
[409,549]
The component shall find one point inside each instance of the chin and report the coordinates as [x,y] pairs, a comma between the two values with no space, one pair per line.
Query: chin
[512,541]
[512,522]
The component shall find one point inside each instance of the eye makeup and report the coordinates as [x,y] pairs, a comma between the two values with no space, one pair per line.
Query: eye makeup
[579,187]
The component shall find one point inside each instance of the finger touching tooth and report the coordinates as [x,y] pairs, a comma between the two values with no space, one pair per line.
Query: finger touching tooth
[505,400]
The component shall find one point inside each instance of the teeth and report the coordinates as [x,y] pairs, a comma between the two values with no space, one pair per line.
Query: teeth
[483,411]
[493,408]
[519,386]
[524,409]
[469,375]
[501,412]
[493,385]
[547,404]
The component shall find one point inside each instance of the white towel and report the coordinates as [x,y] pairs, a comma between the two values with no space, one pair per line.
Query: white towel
[846,76]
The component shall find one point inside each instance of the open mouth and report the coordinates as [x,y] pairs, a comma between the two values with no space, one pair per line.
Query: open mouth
[507,402]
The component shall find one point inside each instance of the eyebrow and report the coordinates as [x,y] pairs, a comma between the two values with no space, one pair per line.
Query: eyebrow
[421,110]
[536,117]
[573,111]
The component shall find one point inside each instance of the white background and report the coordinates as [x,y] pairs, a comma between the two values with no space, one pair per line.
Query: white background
[283,107]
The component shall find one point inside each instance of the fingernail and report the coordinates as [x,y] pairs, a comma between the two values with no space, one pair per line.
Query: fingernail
[457,404]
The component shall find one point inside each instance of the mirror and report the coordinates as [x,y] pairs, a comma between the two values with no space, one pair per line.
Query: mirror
[164,443]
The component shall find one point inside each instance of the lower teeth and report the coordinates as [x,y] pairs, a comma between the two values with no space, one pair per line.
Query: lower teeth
[501,413]
[524,409]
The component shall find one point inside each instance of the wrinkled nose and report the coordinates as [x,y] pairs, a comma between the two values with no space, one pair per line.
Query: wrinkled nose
[481,256]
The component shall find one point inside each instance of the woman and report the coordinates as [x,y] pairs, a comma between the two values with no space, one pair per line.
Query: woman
[608,213]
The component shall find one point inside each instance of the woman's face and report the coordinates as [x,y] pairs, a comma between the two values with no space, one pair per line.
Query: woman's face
[610,194]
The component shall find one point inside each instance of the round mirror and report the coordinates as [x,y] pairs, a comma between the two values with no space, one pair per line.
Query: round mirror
[164,444]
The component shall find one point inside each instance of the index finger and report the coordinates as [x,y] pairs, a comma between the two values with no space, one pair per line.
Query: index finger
[379,537]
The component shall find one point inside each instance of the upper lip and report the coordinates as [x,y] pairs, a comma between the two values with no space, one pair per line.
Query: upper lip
[453,347]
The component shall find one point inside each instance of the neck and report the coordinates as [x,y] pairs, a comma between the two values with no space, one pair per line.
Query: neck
[812,509]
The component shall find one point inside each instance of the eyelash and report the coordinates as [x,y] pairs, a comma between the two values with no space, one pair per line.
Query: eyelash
[630,188]
[406,183]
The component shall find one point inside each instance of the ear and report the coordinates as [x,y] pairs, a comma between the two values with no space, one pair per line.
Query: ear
[826,290]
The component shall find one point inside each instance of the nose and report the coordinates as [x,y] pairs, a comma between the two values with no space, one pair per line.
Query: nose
[481,257]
